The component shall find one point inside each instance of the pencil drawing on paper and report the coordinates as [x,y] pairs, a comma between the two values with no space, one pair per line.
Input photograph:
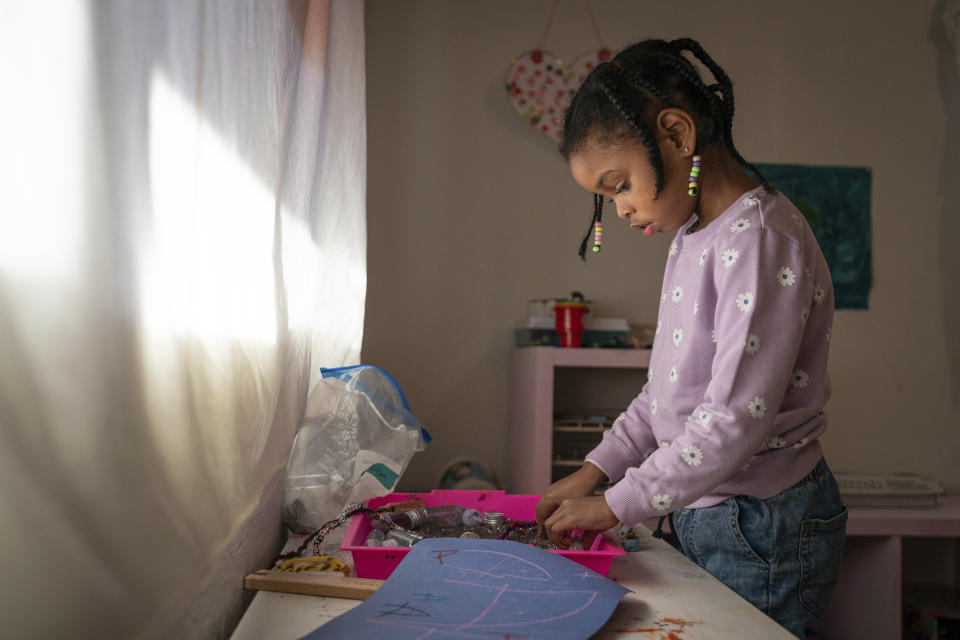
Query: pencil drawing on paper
[449,588]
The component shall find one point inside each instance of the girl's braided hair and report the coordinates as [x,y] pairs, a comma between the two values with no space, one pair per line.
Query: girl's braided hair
[621,99]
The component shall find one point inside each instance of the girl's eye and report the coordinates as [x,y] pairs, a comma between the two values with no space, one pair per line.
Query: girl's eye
[620,188]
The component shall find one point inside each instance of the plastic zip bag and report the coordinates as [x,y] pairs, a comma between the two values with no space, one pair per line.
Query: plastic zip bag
[355,451]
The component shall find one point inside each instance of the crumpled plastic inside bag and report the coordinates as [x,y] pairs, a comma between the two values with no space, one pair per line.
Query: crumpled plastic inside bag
[354,451]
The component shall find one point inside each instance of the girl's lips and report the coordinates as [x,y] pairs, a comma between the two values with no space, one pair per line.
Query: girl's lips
[647,228]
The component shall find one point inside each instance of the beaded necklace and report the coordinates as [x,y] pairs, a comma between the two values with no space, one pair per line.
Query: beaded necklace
[317,536]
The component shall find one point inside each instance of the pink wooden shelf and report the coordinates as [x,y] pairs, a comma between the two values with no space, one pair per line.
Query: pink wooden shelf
[532,410]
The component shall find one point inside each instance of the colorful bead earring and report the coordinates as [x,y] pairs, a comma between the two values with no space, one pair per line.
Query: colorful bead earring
[694,176]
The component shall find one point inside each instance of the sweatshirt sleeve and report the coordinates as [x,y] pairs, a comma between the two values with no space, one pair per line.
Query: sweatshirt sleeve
[762,306]
[628,442]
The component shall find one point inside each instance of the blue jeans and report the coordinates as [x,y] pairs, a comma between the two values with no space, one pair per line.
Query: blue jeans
[781,554]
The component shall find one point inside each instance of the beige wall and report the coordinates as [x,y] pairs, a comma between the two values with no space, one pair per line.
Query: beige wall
[471,213]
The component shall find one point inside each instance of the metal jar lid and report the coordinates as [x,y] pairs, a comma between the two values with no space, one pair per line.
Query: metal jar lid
[493,518]
[405,538]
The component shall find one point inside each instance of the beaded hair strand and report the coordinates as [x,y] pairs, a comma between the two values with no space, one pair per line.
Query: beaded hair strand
[594,222]
[725,86]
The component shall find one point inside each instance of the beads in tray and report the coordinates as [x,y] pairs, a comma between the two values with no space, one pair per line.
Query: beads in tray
[493,526]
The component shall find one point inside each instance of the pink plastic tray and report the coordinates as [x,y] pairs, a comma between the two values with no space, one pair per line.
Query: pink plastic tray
[379,562]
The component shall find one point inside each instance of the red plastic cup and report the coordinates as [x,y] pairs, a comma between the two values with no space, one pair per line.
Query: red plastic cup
[569,321]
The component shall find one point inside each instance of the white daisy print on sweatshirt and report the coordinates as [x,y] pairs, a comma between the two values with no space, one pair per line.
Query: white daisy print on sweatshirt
[704,417]
[757,407]
[677,294]
[664,444]
[696,307]
[745,301]
[740,225]
[776,442]
[649,373]
[729,257]
[753,344]
[661,502]
[653,406]
[713,336]
[674,249]
[674,375]
[799,378]
[677,336]
[703,257]
[804,314]
[751,201]
[796,218]
[818,295]
[659,325]
[692,455]
[786,277]
[801,443]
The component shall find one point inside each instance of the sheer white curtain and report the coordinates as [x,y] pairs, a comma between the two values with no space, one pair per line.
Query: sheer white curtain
[182,247]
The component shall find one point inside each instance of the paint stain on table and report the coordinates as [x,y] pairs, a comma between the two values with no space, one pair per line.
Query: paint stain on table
[662,629]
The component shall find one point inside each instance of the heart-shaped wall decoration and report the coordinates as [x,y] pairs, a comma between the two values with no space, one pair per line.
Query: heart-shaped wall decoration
[540,87]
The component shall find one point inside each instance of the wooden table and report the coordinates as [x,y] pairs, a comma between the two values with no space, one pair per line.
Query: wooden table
[672,598]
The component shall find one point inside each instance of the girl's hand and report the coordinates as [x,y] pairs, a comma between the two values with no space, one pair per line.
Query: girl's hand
[580,483]
[589,514]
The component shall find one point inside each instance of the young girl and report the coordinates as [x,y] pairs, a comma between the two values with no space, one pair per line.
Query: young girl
[724,435]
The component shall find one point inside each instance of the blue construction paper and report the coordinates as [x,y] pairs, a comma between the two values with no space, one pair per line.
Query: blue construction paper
[458,589]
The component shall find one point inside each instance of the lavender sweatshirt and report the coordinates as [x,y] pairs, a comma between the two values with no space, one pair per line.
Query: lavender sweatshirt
[738,374]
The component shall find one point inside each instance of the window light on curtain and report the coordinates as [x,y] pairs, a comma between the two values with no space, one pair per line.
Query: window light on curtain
[182,247]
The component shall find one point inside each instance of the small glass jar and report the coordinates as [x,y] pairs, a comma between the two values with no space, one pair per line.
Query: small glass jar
[493,525]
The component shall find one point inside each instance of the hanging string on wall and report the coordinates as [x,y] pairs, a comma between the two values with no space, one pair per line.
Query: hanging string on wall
[540,85]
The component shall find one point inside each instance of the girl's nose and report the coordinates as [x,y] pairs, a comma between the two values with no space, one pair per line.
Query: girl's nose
[622,211]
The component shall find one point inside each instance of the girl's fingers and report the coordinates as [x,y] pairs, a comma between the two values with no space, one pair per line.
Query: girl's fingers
[545,508]
[556,531]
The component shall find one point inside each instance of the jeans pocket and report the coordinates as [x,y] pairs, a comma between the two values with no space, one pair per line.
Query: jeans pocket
[750,528]
[821,550]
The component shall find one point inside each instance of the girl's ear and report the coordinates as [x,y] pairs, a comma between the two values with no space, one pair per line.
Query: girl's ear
[677,128]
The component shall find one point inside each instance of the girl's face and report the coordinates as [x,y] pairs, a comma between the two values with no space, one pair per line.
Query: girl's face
[622,172]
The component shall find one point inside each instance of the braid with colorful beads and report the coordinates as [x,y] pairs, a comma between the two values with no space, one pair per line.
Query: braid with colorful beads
[725,86]
[596,228]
